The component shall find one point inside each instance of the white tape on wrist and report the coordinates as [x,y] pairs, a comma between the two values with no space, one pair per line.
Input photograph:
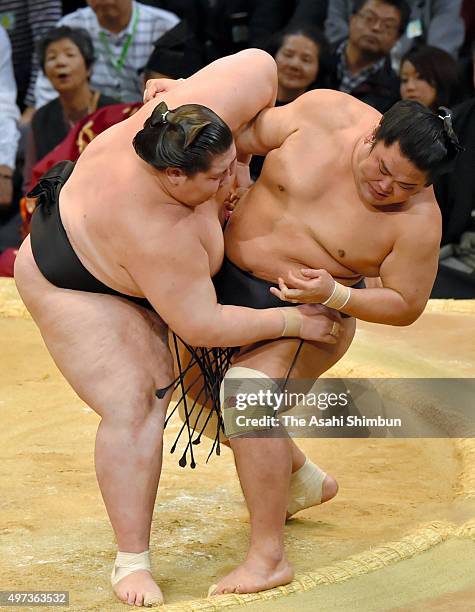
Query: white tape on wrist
[339,297]
[293,322]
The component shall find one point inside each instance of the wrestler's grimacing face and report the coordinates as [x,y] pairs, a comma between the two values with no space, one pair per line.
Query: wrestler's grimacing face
[387,177]
[218,178]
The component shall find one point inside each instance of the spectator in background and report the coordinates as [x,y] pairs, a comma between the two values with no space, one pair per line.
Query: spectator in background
[26,22]
[361,63]
[123,34]
[297,52]
[434,22]
[9,135]
[66,57]
[430,76]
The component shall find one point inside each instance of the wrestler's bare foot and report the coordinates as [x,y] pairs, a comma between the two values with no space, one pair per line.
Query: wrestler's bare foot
[328,491]
[139,589]
[255,574]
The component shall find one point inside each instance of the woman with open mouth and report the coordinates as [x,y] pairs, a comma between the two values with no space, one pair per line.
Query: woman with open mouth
[66,56]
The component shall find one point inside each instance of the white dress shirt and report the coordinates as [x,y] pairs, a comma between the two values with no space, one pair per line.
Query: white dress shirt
[9,112]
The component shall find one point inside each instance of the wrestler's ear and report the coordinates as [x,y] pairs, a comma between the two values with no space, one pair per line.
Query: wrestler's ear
[176,176]
[371,138]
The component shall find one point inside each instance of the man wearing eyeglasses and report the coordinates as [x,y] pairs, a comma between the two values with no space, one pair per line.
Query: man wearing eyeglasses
[434,22]
[361,63]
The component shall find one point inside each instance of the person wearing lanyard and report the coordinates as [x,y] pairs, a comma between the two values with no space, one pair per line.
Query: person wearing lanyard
[123,33]
[117,62]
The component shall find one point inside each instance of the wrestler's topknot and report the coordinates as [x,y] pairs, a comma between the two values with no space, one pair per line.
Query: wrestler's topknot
[187,137]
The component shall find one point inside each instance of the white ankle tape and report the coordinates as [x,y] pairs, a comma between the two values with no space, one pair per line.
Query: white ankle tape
[126,563]
[306,486]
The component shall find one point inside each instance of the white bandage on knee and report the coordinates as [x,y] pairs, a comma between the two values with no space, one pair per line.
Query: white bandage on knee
[306,485]
[126,563]
[241,381]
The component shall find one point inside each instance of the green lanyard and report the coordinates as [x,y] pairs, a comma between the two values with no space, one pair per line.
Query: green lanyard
[118,64]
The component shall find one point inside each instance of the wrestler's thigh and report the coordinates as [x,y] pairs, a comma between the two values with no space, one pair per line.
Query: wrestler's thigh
[112,352]
[274,357]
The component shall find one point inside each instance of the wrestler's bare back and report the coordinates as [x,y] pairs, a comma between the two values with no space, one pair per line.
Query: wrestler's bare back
[305,209]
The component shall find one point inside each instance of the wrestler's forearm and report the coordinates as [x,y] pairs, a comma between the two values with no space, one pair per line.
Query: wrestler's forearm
[243,172]
[235,326]
[383,305]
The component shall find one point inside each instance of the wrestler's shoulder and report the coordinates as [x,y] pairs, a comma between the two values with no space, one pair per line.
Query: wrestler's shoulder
[334,109]
[426,208]
[424,218]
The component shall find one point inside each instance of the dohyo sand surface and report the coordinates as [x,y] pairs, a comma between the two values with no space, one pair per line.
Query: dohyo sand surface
[400,535]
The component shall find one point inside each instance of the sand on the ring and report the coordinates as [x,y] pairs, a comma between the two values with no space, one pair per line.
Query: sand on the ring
[55,534]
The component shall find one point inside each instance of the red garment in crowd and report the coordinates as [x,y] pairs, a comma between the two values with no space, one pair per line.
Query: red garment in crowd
[7,261]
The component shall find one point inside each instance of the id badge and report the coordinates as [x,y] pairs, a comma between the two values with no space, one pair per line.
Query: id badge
[7,20]
[414,29]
